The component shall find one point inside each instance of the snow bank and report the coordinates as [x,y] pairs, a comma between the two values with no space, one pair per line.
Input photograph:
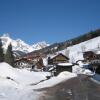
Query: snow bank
[65,64]
[22,77]
[7,71]
[79,70]
[19,84]
[14,83]
[63,76]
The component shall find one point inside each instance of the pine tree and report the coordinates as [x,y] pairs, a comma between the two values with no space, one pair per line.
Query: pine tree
[9,58]
[1,52]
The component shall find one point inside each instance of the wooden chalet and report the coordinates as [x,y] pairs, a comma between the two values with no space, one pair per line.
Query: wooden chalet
[36,56]
[23,62]
[60,58]
[93,59]
[30,60]
[89,55]
[60,63]
[95,65]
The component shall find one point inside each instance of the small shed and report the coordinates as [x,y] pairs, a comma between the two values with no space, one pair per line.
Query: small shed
[63,67]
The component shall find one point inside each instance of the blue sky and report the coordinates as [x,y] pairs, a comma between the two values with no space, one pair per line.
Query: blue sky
[48,20]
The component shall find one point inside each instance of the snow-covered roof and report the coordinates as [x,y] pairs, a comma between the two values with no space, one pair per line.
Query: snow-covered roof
[57,54]
[65,64]
[98,52]
[95,50]
[52,55]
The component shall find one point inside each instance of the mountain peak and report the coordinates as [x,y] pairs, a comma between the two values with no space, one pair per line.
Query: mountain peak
[6,35]
[20,45]
[40,45]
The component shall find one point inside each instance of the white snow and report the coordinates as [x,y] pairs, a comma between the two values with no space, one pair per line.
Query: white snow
[21,76]
[20,45]
[65,64]
[45,61]
[63,76]
[19,84]
[79,69]
[39,45]
[76,51]
[98,52]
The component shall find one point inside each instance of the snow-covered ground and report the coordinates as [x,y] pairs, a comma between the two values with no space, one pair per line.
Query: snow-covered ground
[19,84]
[80,69]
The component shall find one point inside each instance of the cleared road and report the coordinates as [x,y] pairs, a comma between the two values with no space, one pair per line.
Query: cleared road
[80,88]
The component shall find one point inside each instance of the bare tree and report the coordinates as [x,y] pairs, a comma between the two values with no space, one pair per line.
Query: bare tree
[67,52]
[72,59]
[98,46]
[83,48]
[94,69]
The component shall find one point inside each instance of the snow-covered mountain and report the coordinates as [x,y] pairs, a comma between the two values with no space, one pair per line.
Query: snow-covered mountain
[19,45]
[39,45]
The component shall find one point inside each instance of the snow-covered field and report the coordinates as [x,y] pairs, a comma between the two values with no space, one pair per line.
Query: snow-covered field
[19,84]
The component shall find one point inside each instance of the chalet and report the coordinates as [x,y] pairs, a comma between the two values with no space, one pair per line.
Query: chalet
[93,58]
[36,56]
[89,55]
[59,64]
[23,62]
[95,65]
[60,58]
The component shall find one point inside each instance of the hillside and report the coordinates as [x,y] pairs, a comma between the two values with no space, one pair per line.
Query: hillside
[75,52]
[63,45]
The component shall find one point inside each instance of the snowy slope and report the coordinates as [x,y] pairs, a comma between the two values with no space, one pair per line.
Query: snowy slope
[18,84]
[19,45]
[76,51]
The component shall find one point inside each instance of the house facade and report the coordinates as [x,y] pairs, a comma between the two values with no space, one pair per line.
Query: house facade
[93,58]
[23,63]
[60,58]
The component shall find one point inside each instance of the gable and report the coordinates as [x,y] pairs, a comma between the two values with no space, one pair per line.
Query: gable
[60,57]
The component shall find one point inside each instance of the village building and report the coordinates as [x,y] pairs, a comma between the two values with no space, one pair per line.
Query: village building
[95,65]
[89,55]
[23,63]
[30,61]
[63,67]
[59,64]
[93,58]
[60,58]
